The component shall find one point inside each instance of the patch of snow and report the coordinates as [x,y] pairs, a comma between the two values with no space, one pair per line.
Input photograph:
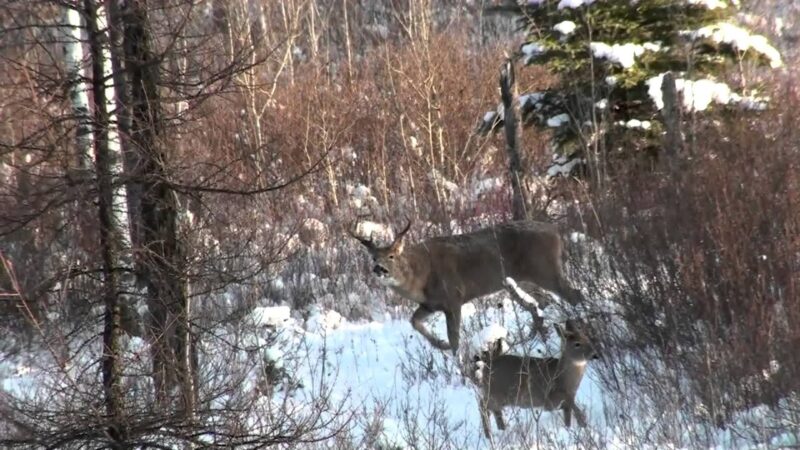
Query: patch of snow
[392,435]
[738,38]
[574,3]
[361,198]
[566,27]
[708,4]
[611,80]
[373,230]
[484,186]
[778,26]
[533,98]
[270,316]
[323,321]
[557,121]
[602,104]
[576,237]
[440,179]
[275,355]
[527,298]
[468,310]
[563,168]
[531,51]
[652,46]
[485,339]
[698,95]
[753,103]
[622,54]
[635,124]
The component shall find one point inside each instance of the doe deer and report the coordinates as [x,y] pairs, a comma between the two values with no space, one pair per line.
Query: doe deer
[548,383]
[443,273]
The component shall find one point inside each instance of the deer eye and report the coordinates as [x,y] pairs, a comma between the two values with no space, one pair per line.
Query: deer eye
[391,256]
[577,345]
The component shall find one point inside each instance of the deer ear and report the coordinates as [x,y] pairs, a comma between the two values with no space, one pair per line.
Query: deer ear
[498,348]
[566,331]
[397,245]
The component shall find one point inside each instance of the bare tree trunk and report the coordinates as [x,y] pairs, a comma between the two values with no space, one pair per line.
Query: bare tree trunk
[673,139]
[510,126]
[72,45]
[129,157]
[109,237]
[162,251]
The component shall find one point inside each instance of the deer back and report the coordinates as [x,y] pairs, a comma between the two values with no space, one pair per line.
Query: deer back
[463,267]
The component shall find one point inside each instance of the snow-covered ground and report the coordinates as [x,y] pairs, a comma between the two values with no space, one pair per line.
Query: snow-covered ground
[387,366]
[405,393]
[409,394]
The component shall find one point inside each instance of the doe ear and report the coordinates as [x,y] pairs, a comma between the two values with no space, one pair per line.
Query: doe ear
[567,330]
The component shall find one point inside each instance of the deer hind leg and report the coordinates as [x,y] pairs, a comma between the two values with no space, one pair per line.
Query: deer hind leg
[498,419]
[572,295]
[453,327]
[558,284]
[417,322]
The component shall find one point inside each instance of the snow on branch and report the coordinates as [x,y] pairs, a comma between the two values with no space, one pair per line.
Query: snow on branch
[698,95]
[623,54]
[574,3]
[738,38]
[708,4]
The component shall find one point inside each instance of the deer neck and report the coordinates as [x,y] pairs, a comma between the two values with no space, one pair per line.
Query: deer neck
[571,373]
[416,277]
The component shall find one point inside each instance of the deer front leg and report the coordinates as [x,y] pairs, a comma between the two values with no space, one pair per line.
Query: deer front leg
[417,322]
[487,428]
[569,407]
[567,414]
[579,416]
[453,327]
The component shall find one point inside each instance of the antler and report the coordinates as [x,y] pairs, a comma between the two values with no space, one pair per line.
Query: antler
[366,242]
[402,233]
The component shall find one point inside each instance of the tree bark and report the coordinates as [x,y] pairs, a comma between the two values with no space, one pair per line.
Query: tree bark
[673,139]
[162,260]
[510,126]
[72,47]
[129,157]
[109,237]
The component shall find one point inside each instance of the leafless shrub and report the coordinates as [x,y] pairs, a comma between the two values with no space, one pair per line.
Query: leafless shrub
[703,257]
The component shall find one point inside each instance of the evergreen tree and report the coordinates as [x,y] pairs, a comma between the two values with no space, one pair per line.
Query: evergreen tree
[610,57]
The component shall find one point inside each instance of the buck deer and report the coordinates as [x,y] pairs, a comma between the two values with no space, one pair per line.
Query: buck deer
[548,383]
[443,273]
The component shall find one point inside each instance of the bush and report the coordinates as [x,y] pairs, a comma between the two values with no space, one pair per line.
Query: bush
[705,255]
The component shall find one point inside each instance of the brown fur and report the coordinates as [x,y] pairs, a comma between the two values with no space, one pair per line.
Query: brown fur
[443,273]
[548,383]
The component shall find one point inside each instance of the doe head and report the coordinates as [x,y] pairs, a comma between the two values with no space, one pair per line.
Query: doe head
[575,345]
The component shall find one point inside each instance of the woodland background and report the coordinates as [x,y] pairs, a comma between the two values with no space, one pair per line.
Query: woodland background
[201,161]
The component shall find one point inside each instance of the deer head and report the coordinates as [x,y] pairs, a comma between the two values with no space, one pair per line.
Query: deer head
[576,347]
[389,264]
